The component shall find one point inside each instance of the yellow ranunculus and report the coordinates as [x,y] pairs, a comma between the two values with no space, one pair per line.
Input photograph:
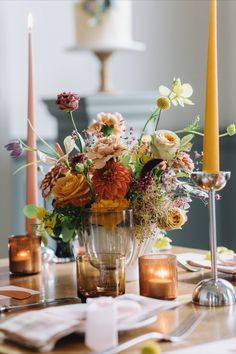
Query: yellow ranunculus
[41,213]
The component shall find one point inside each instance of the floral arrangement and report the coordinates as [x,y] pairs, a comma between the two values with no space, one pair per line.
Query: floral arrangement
[111,169]
[96,10]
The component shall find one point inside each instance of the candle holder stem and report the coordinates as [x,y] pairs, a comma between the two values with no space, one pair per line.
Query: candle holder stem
[214,291]
[212,233]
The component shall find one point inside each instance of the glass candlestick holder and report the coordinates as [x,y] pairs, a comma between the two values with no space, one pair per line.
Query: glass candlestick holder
[24,254]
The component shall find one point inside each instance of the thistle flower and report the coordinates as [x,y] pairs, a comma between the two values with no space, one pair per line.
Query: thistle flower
[163,103]
[68,101]
[15,148]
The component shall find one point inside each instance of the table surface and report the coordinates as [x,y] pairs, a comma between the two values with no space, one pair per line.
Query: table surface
[59,280]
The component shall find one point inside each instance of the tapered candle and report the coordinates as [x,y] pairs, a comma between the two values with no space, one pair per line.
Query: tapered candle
[31,156]
[211,121]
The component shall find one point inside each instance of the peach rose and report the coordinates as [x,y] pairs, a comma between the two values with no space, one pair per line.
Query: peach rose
[104,149]
[113,120]
[71,189]
[165,144]
[173,219]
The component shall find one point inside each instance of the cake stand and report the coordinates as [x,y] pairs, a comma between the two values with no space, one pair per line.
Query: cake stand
[103,53]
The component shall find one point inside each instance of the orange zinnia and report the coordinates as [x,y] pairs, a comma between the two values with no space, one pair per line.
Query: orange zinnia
[112,181]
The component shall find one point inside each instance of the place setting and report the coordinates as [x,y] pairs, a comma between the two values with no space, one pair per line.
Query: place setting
[94,270]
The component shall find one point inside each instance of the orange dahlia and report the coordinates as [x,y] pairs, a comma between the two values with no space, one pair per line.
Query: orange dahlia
[112,181]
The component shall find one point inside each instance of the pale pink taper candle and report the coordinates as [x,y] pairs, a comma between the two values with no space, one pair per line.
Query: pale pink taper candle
[31,156]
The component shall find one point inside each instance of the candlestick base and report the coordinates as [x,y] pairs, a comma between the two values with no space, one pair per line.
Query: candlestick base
[212,293]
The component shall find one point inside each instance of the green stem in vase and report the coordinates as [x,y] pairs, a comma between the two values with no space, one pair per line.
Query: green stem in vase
[158,119]
[152,116]
[79,137]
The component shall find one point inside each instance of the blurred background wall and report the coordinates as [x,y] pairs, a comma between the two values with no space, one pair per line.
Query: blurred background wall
[175,34]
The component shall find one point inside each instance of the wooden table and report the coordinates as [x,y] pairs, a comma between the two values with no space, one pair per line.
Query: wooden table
[60,281]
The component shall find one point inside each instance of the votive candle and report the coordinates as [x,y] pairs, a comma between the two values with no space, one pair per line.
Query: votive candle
[158,276]
[24,254]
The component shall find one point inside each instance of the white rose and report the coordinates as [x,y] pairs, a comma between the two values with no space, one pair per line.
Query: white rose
[164,144]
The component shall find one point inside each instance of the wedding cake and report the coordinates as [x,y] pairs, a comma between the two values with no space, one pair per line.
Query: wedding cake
[104,25]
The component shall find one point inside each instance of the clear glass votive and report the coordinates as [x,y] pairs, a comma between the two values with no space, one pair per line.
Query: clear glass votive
[158,276]
[100,275]
[24,254]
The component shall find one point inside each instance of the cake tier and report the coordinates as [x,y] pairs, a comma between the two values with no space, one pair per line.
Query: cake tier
[114,30]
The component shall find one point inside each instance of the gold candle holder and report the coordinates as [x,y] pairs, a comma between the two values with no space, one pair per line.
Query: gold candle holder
[158,276]
[24,254]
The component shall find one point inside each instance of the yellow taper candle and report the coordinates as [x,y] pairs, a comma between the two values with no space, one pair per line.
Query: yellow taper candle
[211,121]
[31,157]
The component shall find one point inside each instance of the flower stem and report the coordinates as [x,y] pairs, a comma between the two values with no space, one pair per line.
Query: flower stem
[222,135]
[189,131]
[158,119]
[152,116]
[76,131]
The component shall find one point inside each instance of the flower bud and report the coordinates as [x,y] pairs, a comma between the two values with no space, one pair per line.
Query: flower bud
[79,167]
[231,129]
[163,103]
[88,162]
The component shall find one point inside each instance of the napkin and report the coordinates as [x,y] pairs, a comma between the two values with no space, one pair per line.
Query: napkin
[41,329]
[225,346]
[199,260]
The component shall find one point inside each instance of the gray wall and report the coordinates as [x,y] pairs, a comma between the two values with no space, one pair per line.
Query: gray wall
[175,33]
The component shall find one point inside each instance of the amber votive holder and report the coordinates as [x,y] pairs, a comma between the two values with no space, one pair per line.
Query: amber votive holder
[158,276]
[100,275]
[24,254]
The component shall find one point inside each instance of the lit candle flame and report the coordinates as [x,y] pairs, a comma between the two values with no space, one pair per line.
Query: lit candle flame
[162,273]
[30,21]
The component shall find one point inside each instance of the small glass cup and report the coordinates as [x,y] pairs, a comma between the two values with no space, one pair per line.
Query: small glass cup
[100,275]
[24,254]
[158,276]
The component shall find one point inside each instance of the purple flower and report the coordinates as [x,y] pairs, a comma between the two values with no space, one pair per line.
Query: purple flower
[182,202]
[68,101]
[170,181]
[15,148]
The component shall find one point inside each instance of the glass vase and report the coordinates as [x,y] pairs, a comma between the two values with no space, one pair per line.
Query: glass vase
[106,232]
[64,251]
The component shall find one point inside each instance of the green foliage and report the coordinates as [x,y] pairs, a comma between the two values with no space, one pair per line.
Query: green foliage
[30,211]
[107,130]
[185,142]
[125,159]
